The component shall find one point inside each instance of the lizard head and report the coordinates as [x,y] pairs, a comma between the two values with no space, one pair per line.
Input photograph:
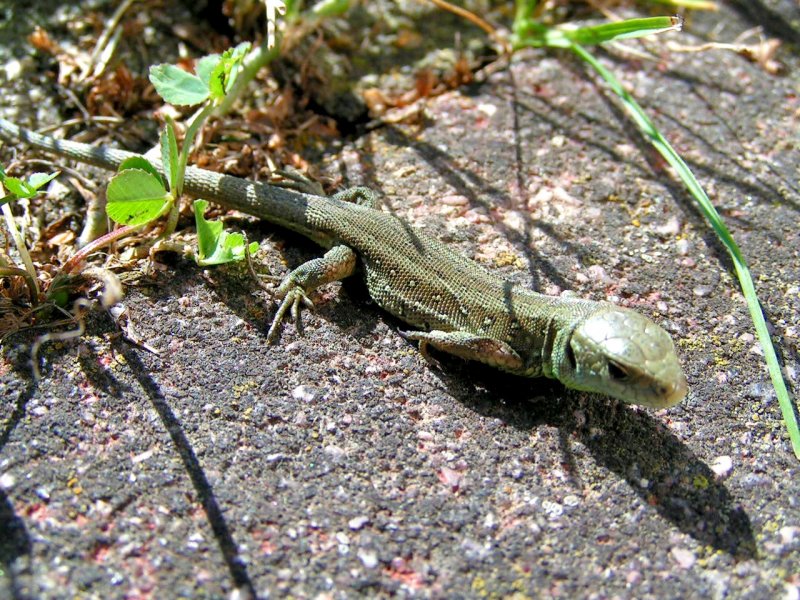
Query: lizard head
[622,354]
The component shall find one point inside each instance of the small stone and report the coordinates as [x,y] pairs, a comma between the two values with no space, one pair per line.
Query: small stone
[747,338]
[702,291]
[450,477]
[13,69]
[357,523]
[722,466]
[670,228]
[335,452]
[304,392]
[368,558]
[7,481]
[487,109]
[553,509]
[633,577]
[789,534]
[683,557]
[598,274]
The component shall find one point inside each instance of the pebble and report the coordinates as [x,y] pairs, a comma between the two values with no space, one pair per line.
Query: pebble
[789,534]
[670,228]
[703,290]
[722,466]
[368,558]
[792,592]
[357,523]
[304,393]
[335,452]
[13,69]
[7,481]
[598,274]
[683,557]
[553,509]
[633,577]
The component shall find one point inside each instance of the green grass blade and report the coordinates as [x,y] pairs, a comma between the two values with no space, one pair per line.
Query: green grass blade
[620,30]
[745,280]
[532,33]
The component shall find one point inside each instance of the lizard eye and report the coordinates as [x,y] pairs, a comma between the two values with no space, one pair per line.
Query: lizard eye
[617,371]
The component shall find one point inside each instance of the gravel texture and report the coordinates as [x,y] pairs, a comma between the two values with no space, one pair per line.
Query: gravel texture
[340,464]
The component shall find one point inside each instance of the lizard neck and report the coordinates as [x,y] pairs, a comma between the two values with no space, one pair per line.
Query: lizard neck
[544,326]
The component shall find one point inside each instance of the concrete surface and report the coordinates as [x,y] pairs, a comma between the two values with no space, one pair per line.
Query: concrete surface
[340,464]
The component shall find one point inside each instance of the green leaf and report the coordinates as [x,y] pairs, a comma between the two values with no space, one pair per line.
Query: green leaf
[19,188]
[178,87]
[135,197]
[141,163]
[216,84]
[224,73]
[26,188]
[234,58]
[169,154]
[37,180]
[207,231]
[214,245]
[330,8]
[205,66]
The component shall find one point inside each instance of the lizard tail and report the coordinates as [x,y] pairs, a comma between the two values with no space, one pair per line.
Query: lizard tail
[105,158]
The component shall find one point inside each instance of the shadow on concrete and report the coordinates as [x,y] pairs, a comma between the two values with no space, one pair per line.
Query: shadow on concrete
[14,544]
[657,466]
[205,492]
[773,22]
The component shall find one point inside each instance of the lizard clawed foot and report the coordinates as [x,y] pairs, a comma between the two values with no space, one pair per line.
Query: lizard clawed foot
[291,301]
[422,347]
[293,179]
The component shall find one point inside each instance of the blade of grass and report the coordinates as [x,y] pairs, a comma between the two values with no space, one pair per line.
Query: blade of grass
[712,216]
[533,33]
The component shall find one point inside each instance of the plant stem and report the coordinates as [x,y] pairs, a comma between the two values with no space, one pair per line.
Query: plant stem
[23,251]
[76,260]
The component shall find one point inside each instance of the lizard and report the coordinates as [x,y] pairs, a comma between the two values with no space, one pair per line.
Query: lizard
[455,304]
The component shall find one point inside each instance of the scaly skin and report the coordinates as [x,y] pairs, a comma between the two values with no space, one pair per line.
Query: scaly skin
[460,307]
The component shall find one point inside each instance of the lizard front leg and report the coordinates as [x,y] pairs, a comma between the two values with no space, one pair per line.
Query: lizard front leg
[469,346]
[337,263]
